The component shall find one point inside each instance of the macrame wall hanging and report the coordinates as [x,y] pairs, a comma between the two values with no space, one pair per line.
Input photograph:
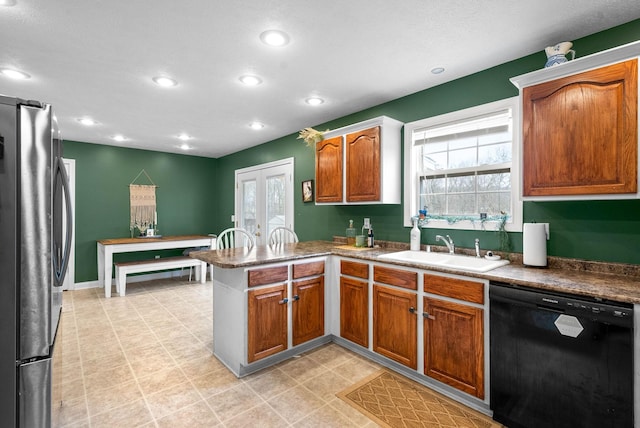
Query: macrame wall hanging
[142,199]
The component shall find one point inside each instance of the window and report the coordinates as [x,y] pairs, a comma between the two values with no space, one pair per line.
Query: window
[459,165]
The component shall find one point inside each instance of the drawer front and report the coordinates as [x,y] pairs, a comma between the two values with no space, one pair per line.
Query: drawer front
[360,270]
[308,269]
[470,291]
[268,275]
[397,277]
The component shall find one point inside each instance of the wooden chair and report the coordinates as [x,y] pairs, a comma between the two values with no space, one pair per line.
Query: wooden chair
[282,235]
[234,237]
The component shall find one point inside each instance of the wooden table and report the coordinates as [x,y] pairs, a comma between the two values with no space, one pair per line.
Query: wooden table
[108,247]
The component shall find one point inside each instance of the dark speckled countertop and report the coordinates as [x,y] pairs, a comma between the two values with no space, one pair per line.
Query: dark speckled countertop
[611,281]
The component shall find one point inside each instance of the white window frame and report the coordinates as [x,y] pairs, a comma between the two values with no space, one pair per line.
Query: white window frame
[411,175]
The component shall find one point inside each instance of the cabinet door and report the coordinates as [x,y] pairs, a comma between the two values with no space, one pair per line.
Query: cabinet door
[267,322]
[395,325]
[580,133]
[363,165]
[308,309]
[329,170]
[354,311]
[454,345]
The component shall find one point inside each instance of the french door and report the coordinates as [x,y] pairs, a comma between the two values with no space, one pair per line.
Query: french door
[264,198]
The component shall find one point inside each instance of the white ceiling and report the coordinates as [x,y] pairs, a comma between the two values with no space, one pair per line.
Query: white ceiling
[96,58]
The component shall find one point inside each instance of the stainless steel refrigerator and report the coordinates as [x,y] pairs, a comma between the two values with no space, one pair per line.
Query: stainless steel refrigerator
[33,258]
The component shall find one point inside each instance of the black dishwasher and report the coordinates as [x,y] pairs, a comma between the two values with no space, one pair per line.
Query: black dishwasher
[559,360]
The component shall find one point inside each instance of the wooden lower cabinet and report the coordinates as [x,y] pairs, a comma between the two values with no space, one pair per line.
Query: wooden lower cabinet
[307,309]
[354,311]
[267,322]
[395,325]
[454,345]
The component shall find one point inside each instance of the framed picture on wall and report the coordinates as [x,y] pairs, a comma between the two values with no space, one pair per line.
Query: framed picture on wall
[307,191]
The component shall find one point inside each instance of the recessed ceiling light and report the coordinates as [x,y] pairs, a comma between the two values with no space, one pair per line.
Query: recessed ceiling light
[185,146]
[437,70]
[165,81]
[119,138]
[314,101]
[184,137]
[14,74]
[274,38]
[250,80]
[256,125]
[7,2]
[87,121]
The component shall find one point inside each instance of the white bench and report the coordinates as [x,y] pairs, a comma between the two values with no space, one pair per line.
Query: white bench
[139,266]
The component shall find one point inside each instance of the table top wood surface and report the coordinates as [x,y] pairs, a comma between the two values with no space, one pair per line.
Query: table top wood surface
[145,239]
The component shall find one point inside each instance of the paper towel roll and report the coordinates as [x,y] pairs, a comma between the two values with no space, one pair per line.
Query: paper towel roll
[534,243]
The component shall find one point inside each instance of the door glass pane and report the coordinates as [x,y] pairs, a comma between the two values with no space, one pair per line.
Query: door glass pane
[248,220]
[275,202]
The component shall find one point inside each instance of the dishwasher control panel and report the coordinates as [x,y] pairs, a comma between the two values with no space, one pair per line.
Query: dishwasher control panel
[596,309]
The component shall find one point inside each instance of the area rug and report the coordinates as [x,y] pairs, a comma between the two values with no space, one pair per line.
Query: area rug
[394,401]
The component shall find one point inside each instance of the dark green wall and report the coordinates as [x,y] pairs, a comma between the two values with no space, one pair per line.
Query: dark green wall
[186,196]
[603,230]
[196,195]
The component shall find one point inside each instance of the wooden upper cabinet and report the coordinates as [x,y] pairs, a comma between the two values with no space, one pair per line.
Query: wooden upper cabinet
[360,163]
[329,161]
[580,133]
[363,165]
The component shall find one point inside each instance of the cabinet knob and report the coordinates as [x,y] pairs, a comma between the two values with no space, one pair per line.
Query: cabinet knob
[296,297]
[427,316]
[412,310]
[283,301]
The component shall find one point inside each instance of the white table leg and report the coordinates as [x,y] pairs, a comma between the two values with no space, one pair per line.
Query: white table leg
[108,265]
[101,264]
[202,270]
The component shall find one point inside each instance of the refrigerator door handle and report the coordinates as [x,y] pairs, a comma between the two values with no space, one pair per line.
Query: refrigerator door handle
[62,265]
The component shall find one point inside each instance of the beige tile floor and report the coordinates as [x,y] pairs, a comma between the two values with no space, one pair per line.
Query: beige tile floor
[145,360]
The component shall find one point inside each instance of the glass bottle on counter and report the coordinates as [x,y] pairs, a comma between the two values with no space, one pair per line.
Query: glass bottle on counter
[351,234]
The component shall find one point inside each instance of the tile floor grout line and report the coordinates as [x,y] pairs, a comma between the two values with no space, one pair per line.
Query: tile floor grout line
[126,354]
[135,376]
[202,397]
[84,385]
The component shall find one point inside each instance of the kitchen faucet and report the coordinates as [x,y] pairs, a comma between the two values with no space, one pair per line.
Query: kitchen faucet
[448,242]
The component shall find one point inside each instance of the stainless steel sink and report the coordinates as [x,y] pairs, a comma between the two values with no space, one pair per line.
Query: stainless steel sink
[454,261]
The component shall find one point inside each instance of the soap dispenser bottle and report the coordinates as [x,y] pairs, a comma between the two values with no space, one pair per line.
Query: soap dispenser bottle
[415,236]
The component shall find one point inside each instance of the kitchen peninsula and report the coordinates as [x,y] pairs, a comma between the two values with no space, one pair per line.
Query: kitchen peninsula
[274,302]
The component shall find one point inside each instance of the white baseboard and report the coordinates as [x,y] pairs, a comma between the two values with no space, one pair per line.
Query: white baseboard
[133,278]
